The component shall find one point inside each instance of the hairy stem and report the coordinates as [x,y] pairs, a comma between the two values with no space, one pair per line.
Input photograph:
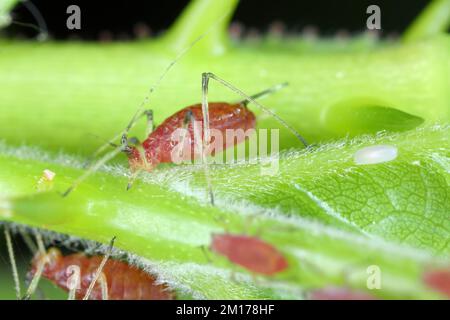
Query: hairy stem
[166,220]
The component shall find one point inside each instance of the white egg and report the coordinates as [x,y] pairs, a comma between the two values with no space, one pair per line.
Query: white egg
[375,154]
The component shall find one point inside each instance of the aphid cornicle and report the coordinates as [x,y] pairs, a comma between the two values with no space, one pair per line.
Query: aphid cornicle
[124,282]
[249,252]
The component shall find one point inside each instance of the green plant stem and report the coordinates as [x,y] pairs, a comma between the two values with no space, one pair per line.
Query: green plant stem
[433,20]
[166,220]
[51,103]
[202,17]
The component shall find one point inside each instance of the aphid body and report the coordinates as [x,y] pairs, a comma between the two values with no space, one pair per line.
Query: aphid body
[159,144]
[249,252]
[124,282]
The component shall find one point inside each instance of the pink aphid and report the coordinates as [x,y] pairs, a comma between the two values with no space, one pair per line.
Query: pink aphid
[334,293]
[159,145]
[249,252]
[438,280]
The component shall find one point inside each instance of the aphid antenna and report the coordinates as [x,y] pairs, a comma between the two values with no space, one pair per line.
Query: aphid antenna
[12,260]
[31,26]
[92,168]
[99,270]
[73,290]
[27,239]
[138,114]
[102,148]
[208,75]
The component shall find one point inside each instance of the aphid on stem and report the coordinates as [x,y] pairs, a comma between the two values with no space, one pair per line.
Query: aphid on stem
[158,146]
[117,280]
[249,252]
[95,277]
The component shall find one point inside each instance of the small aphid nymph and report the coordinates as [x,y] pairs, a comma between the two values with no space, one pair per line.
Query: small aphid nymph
[375,154]
[249,252]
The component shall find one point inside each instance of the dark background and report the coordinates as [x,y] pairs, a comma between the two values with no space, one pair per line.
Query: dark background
[125,19]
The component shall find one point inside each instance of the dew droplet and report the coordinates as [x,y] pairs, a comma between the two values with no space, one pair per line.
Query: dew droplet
[375,154]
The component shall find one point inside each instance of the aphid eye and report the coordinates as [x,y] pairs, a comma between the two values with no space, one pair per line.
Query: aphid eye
[375,154]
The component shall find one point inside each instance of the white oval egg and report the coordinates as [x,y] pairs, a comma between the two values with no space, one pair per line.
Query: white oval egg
[375,154]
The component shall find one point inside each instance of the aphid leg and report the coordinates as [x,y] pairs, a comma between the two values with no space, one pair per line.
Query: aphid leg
[33,248]
[92,168]
[74,283]
[265,93]
[12,260]
[137,171]
[208,75]
[134,175]
[27,239]
[104,286]
[206,135]
[102,148]
[39,269]
[99,270]
[123,147]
